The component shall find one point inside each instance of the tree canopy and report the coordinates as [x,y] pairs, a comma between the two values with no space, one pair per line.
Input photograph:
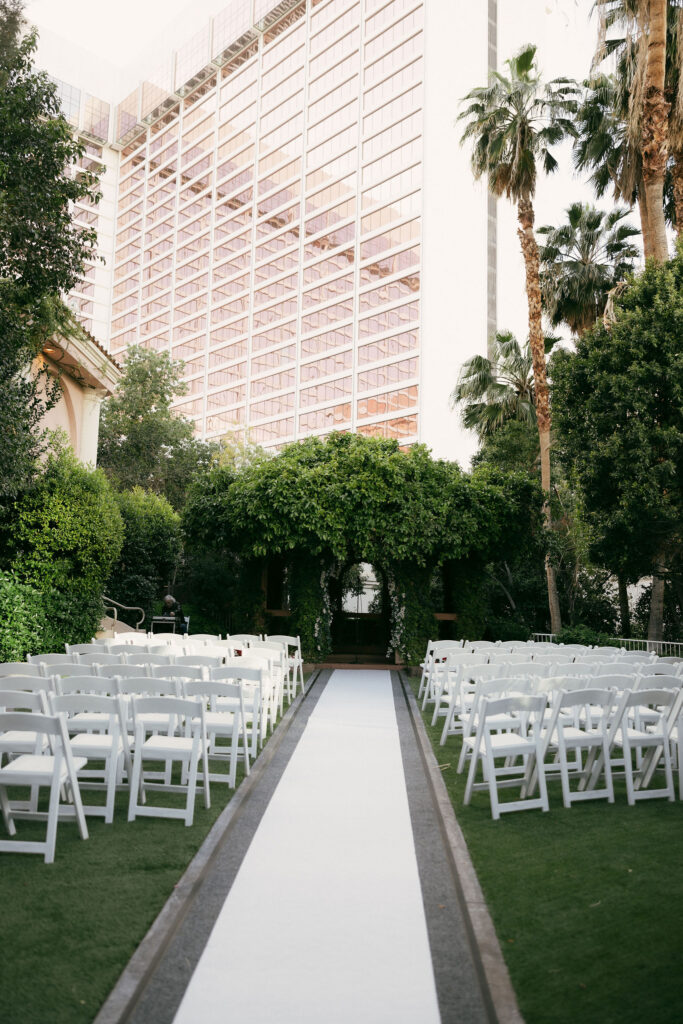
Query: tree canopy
[142,442]
[618,402]
[42,250]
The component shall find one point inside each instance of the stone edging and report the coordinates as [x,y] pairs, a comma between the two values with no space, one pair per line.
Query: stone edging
[123,997]
[496,973]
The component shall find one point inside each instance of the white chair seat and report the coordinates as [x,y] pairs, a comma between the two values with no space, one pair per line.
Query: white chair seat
[166,746]
[96,745]
[27,768]
[20,742]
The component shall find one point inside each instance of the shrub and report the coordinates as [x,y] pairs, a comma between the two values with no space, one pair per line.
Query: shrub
[22,618]
[150,551]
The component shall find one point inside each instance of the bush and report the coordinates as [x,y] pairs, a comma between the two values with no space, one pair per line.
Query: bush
[22,619]
[581,634]
[64,535]
[150,551]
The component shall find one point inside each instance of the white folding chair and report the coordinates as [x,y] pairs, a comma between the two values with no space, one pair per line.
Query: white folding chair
[577,723]
[56,770]
[187,749]
[252,679]
[143,658]
[226,720]
[654,738]
[499,686]
[106,744]
[123,671]
[199,660]
[295,660]
[436,651]
[522,739]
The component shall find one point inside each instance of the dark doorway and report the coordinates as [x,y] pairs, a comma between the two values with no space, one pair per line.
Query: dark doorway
[360,614]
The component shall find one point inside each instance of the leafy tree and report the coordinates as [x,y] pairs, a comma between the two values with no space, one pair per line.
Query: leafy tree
[582,261]
[514,122]
[151,549]
[142,443]
[618,402]
[61,539]
[42,251]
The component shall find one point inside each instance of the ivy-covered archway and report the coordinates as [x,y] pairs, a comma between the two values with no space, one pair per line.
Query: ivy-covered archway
[320,506]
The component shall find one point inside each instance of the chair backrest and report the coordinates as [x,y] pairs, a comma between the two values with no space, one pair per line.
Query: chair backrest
[189,709]
[19,668]
[69,670]
[23,700]
[27,684]
[197,637]
[32,721]
[615,667]
[475,644]
[246,673]
[199,660]
[530,708]
[125,671]
[555,684]
[670,659]
[658,682]
[84,684]
[146,685]
[101,659]
[77,703]
[290,641]
[508,658]
[124,648]
[481,672]
[582,668]
[575,648]
[213,688]
[90,648]
[242,638]
[644,656]
[52,659]
[554,658]
[176,671]
[143,658]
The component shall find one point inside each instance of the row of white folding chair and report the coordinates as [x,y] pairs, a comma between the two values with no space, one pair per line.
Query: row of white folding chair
[590,721]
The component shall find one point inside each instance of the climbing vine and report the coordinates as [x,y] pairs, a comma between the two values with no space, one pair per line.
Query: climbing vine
[324,505]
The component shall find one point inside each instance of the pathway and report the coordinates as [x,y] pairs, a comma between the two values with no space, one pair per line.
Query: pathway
[333,902]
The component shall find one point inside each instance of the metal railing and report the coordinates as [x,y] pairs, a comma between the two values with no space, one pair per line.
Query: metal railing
[663,648]
[113,606]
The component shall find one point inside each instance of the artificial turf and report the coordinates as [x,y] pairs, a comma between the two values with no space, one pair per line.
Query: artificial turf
[586,902]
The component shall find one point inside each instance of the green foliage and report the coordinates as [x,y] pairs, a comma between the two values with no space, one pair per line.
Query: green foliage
[142,443]
[22,618]
[497,390]
[512,448]
[349,499]
[618,403]
[581,261]
[151,549]
[61,538]
[42,250]
[514,121]
[582,634]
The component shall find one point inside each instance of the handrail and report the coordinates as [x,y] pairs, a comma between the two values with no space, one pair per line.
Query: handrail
[112,606]
[672,648]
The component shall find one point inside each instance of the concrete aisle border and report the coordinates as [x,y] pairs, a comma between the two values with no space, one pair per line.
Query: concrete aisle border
[137,992]
[477,917]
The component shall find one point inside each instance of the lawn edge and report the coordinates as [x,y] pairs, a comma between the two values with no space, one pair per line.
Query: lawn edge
[495,970]
[123,997]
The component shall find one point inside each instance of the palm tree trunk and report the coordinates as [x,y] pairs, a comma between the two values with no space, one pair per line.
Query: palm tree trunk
[678,190]
[655,129]
[644,219]
[525,216]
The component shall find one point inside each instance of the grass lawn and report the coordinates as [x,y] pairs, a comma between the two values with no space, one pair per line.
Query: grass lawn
[586,902]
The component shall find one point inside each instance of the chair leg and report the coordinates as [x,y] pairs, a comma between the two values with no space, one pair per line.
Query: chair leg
[52,820]
[136,787]
[7,812]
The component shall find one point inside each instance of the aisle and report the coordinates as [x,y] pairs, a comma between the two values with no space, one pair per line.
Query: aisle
[324,922]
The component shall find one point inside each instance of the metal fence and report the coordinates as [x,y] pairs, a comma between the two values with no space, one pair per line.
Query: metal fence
[663,648]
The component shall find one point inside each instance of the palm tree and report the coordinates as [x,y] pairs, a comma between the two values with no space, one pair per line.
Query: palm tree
[582,261]
[642,63]
[494,390]
[513,122]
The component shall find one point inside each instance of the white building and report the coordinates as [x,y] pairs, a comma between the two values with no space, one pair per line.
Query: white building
[288,210]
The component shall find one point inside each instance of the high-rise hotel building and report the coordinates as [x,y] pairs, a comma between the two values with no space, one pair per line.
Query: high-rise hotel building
[286,208]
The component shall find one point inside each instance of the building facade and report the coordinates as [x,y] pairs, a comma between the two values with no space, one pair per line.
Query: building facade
[286,209]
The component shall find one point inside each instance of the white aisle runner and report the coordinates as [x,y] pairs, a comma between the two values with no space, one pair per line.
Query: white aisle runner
[324,923]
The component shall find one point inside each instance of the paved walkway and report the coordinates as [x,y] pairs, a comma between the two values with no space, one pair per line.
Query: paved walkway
[332,899]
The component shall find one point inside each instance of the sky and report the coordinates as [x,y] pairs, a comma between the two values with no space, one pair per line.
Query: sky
[117,37]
